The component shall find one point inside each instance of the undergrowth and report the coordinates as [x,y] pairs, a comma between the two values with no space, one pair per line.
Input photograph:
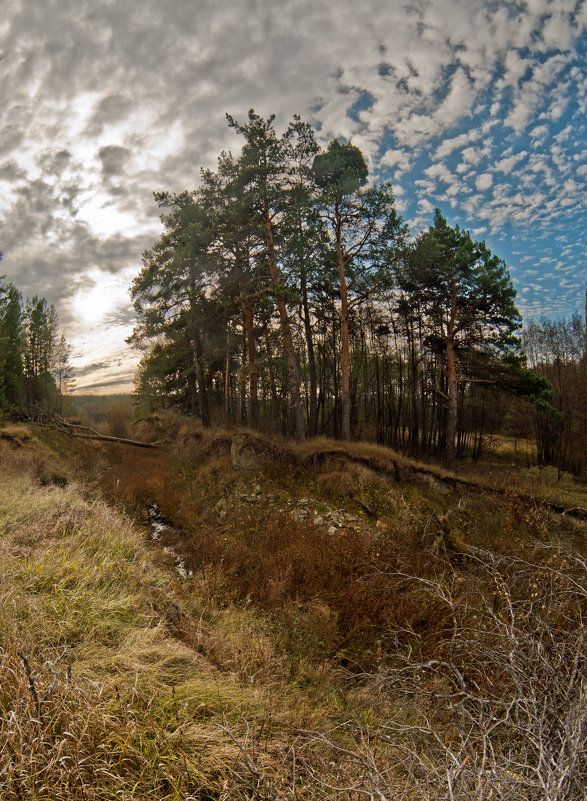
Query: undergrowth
[335,633]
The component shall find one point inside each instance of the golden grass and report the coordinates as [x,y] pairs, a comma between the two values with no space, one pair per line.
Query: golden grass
[119,680]
[97,699]
[16,434]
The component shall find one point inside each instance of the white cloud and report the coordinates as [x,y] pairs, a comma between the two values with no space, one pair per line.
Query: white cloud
[455,189]
[449,145]
[472,155]
[484,181]
[557,32]
[527,78]
[439,171]
[507,164]
[135,94]
[395,158]
[540,132]
[458,101]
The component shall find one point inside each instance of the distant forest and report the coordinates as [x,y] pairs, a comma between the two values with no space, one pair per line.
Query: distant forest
[287,294]
[34,359]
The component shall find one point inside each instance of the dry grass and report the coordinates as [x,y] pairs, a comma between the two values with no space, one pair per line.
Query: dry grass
[243,530]
[97,699]
[268,674]
[16,434]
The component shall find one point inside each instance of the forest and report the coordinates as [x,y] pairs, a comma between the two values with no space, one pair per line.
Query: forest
[286,294]
[35,369]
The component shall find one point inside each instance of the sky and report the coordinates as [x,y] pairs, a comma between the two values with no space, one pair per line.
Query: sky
[474,106]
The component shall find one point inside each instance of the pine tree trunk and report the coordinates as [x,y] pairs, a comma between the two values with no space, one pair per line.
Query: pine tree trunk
[345,356]
[313,394]
[294,380]
[202,389]
[227,381]
[271,372]
[452,388]
[252,364]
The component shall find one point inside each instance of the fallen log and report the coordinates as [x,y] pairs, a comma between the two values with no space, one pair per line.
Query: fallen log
[83,432]
[121,440]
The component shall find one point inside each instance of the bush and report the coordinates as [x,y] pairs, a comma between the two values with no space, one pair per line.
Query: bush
[501,710]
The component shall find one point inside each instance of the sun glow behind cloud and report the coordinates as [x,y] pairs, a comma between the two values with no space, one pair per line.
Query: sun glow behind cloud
[98,328]
[102,216]
[101,294]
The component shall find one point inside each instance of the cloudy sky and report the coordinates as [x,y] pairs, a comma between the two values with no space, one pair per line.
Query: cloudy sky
[477,106]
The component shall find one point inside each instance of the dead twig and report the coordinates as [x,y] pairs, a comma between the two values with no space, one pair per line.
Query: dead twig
[32,687]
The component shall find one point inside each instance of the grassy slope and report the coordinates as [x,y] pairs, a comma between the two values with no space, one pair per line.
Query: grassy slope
[119,679]
[98,697]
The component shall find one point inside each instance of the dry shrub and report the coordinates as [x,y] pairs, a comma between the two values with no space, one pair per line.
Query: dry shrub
[328,589]
[339,485]
[89,459]
[215,478]
[21,451]
[136,476]
[251,549]
[274,557]
[149,429]
[22,460]
[498,709]
[240,642]
[164,426]
[17,435]
[183,491]
[311,629]
[119,416]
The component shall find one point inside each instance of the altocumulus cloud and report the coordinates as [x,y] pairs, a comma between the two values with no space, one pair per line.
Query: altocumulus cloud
[483,181]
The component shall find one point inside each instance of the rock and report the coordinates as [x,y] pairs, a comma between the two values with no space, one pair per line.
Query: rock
[243,453]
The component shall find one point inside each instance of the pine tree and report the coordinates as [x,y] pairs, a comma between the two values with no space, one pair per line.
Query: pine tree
[262,178]
[62,370]
[467,300]
[40,325]
[170,294]
[11,371]
[365,235]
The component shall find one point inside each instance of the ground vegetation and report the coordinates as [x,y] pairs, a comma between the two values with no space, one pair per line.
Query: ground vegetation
[252,618]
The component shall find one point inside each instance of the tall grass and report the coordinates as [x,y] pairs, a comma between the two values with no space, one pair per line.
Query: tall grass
[301,660]
[97,699]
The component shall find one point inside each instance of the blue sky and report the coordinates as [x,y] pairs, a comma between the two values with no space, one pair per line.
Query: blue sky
[512,171]
[476,106]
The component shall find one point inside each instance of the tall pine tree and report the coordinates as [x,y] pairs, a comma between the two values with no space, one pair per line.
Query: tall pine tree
[467,301]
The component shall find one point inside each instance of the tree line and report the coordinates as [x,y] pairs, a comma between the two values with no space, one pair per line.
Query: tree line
[557,351]
[287,294]
[34,359]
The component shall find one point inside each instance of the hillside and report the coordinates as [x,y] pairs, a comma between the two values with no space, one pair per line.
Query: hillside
[227,616]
